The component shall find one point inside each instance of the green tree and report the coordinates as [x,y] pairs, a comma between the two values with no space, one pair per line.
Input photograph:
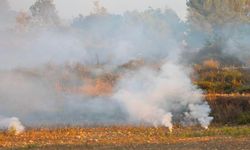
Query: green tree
[218,12]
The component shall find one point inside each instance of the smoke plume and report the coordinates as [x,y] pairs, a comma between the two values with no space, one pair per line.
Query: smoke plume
[12,124]
[155,96]
[49,70]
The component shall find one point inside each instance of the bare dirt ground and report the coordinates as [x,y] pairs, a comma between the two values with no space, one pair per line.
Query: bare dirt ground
[231,138]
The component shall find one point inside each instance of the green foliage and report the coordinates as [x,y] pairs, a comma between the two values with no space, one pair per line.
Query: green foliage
[213,131]
[244,118]
[30,146]
[244,89]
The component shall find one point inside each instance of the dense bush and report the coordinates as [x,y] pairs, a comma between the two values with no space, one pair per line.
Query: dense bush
[230,109]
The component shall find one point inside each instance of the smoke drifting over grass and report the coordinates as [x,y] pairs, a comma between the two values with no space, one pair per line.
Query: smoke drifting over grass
[159,94]
[12,124]
[155,96]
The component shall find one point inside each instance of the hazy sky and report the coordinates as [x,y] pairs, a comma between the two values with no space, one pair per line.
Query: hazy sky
[71,8]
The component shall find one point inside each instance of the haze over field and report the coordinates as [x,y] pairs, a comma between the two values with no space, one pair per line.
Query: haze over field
[70,9]
[113,67]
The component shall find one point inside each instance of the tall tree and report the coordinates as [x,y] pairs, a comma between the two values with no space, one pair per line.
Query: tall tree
[44,11]
[216,13]
[220,27]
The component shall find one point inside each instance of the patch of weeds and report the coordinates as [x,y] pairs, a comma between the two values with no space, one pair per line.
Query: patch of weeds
[29,146]
[224,131]
[233,131]
[243,118]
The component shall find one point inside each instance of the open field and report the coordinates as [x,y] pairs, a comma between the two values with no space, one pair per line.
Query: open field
[95,74]
[126,137]
[226,109]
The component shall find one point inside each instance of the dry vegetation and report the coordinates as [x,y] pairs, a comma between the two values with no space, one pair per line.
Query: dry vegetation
[227,88]
[226,109]
[210,76]
[119,136]
[214,78]
[230,109]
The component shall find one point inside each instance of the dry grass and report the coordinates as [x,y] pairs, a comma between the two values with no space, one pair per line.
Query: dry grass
[118,135]
[211,63]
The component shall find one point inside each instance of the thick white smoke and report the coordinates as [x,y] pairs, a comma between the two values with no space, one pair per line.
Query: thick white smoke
[200,112]
[11,124]
[154,96]
[161,95]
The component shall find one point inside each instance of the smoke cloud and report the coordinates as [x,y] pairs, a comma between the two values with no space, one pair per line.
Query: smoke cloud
[40,86]
[12,124]
[155,96]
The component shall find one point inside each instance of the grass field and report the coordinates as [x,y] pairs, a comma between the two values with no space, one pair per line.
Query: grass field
[127,137]
[226,132]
